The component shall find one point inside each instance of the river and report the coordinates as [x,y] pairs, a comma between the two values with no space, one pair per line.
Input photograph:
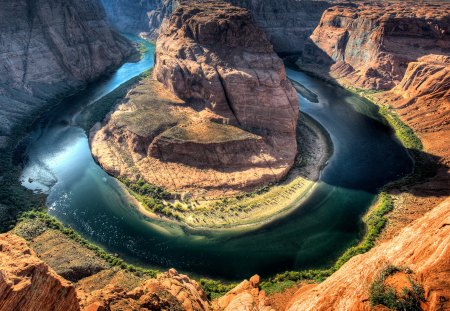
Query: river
[366,156]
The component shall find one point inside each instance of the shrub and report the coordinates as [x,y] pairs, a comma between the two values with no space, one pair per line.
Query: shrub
[408,299]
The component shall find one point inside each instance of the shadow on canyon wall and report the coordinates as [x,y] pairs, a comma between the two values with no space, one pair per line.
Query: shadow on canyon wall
[431,175]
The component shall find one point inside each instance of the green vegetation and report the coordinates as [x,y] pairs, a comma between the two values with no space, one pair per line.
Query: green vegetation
[272,288]
[215,289]
[153,198]
[375,222]
[51,223]
[403,132]
[142,48]
[407,299]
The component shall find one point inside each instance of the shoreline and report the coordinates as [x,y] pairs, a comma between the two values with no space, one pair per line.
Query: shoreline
[269,213]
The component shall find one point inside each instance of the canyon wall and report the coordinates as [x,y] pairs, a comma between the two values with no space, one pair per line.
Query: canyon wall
[49,48]
[287,23]
[370,45]
[423,247]
[27,283]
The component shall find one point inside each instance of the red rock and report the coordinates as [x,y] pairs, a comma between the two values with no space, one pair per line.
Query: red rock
[370,45]
[27,283]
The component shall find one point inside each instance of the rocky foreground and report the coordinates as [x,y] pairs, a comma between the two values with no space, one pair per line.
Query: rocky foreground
[48,48]
[222,115]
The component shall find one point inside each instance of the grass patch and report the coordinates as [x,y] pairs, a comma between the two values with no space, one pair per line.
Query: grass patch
[403,132]
[52,223]
[215,289]
[375,222]
[407,299]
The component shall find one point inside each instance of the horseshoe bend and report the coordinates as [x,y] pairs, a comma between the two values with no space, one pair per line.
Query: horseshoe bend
[217,118]
[224,155]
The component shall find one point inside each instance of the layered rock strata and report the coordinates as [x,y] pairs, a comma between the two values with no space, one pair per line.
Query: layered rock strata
[370,45]
[223,114]
[27,283]
[422,247]
[49,48]
[288,24]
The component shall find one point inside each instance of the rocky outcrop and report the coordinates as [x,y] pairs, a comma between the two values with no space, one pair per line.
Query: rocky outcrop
[231,125]
[422,99]
[214,55]
[27,283]
[49,48]
[371,45]
[422,247]
[169,291]
[245,296]
[288,24]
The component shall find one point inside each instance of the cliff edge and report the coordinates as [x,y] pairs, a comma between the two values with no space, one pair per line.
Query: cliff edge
[220,115]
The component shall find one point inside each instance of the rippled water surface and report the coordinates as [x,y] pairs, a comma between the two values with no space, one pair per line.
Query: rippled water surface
[83,196]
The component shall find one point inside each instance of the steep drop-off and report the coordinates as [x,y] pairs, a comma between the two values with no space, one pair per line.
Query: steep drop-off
[232,122]
[27,283]
[422,247]
[48,48]
[370,45]
[287,24]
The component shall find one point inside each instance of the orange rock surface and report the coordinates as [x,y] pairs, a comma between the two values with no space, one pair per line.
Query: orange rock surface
[222,118]
[423,246]
[27,283]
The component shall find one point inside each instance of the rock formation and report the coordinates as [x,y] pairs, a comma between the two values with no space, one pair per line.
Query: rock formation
[288,24]
[422,247]
[49,48]
[422,99]
[370,45]
[27,283]
[245,296]
[231,125]
[169,291]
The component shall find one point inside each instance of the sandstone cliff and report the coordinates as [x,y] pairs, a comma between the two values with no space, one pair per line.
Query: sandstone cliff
[48,48]
[370,45]
[223,114]
[27,283]
[422,247]
[288,24]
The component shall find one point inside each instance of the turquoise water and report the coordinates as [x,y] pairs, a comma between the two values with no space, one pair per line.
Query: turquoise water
[81,195]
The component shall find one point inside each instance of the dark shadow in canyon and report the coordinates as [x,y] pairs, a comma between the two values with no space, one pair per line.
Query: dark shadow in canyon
[430,177]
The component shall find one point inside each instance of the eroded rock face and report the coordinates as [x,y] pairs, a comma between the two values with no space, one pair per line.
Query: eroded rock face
[423,247]
[27,283]
[288,23]
[370,45]
[169,291]
[215,55]
[51,47]
[222,116]
[245,296]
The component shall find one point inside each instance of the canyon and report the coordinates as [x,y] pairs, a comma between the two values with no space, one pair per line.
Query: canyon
[50,48]
[217,88]
[369,46]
